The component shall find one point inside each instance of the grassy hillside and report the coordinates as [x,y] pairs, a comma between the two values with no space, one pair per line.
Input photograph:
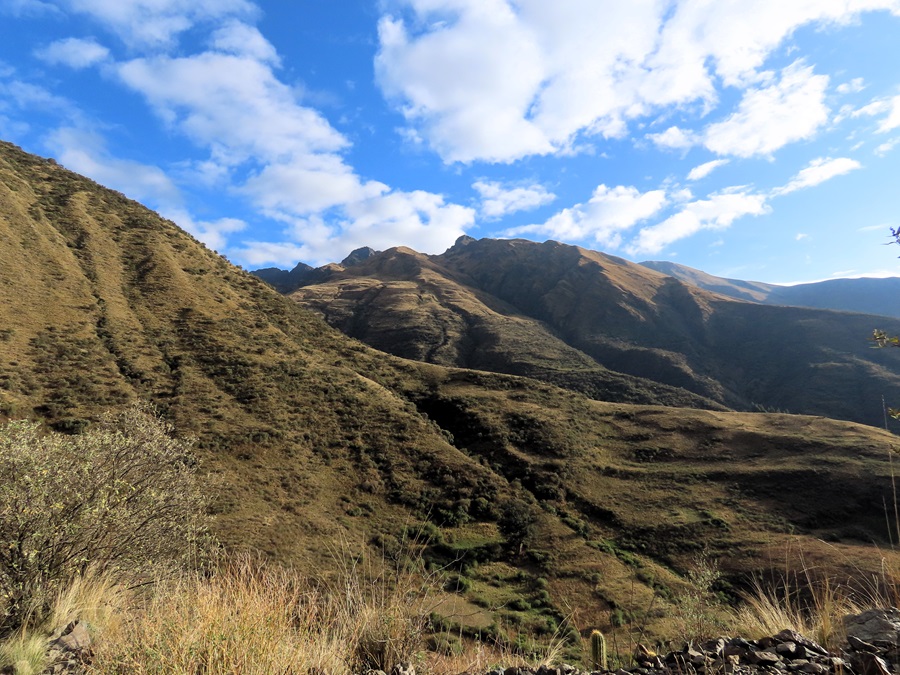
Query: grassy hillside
[314,441]
[410,305]
[610,329]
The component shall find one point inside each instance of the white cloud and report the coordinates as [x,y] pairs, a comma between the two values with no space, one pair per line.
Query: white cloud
[28,8]
[886,147]
[257,254]
[232,104]
[716,212]
[284,157]
[156,23]
[470,83]
[892,121]
[310,183]
[241,39]
[31,96]
[609,213]
[800,236]
[85,152]
[498,199]
[73,52]
[420,220]
[890,107]
[499,80]
[674,138]
[819,171]
[705,169]
[770,117]
[855,85]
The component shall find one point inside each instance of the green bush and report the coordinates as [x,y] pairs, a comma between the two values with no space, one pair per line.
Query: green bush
[123,497]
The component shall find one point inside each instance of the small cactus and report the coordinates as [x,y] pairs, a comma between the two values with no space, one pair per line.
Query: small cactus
[598,650]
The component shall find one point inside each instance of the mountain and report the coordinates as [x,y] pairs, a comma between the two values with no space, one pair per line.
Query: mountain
[609,328]
[867,296]
[410,305]
[285,281]
[314,442]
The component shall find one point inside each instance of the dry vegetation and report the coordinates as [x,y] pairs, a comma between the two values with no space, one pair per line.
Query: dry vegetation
[306,437]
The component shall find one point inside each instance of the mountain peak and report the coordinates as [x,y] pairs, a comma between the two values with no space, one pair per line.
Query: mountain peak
[358,255]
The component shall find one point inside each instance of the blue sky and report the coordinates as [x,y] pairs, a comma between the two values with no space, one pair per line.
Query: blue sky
[756,139]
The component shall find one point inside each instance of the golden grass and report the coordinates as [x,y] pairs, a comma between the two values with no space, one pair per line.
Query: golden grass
[25,652]
[252,618]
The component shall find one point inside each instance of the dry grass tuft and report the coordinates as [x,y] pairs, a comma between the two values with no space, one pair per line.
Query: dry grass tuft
[253,618]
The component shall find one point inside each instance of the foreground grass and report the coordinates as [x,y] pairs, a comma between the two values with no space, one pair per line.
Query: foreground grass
[253,618]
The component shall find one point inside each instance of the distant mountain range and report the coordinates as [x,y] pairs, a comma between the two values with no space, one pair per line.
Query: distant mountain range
[612,329]
[313,441]
[868,296]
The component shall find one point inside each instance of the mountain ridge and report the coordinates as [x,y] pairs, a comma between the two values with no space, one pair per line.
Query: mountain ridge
[557,312]
[876,296]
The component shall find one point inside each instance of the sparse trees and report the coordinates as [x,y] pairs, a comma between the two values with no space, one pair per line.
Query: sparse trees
[122,497]
[516,523]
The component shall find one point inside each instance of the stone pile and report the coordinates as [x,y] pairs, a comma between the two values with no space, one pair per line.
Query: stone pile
[872,648]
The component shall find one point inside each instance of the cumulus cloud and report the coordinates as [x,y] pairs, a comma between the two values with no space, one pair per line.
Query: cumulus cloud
[283,156]
[702,171]
[674,138]
[716,212]
[73,52]
[498,199]
[498,81]
[421,220]
[770,117]
[604,218]
[819,171]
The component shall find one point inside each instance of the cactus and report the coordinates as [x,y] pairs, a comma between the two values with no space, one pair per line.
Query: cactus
[598,650]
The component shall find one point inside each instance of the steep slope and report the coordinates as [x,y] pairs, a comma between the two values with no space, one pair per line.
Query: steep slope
[753,291]
[867,296]
[639,322]
[407,304]
[312,439]
[556,312]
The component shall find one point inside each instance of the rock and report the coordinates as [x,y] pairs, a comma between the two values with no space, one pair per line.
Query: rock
[513,670]
[869,664]
[861,645]
[880,627]
[763,658]
[714,647]
[787,649]
[814,668]
[75,638]
[802,641]
[403,669]
[547,670]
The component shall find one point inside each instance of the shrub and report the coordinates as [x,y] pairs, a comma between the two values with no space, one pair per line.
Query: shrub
[121,498]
